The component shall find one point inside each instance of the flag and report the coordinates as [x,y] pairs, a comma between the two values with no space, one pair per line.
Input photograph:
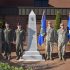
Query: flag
[68,27]
[42,30]
[43,22]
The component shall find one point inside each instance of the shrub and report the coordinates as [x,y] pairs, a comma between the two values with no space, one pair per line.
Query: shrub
[5,66]
[57,21]
[1,23]
[57,24]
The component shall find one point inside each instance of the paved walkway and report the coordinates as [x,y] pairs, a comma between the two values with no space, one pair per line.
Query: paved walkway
[55,64]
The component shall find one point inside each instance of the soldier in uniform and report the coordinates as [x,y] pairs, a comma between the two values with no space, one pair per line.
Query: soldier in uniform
[19,41]
[49,40]
[62,41]
[7,36]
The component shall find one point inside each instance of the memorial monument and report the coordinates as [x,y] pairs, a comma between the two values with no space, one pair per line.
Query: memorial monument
[32,54]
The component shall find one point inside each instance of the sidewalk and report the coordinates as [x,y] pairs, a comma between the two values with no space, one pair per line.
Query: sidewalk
[55,64]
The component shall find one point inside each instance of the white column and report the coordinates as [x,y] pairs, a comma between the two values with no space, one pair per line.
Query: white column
[32,54]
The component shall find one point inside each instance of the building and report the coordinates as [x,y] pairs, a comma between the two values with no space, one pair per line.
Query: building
[14,11]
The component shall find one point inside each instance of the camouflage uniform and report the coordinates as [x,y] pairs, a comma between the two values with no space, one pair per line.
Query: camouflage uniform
[62,41]
[19,42]
[49,42]
[8,39]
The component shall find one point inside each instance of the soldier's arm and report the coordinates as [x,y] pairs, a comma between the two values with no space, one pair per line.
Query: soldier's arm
[45,37]
[53,35]
[11,35]
[45,34]
[24,34]
[57,31]
[2,35]
[67,39]
[3,38]
[14,35]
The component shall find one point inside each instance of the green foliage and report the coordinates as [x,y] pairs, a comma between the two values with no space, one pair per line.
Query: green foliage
[6,66]
[1,23]
[57,21]
[30,68]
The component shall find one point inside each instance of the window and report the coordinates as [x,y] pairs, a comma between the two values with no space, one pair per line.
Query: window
[41,3]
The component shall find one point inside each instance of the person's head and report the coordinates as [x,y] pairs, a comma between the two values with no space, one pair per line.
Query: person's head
[49,24]
[19,26]
[62,25]
[6,25]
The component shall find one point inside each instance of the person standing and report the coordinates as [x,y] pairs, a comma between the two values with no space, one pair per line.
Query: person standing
[19,41]
[62,41]
[49,40]
[7,36]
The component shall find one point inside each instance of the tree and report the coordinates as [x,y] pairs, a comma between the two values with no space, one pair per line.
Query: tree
[57,21]
[1,23]
[57,25]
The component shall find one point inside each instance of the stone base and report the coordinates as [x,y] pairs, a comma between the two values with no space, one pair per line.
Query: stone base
[31,56]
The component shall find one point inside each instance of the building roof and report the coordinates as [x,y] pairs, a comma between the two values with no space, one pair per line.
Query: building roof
[60,3]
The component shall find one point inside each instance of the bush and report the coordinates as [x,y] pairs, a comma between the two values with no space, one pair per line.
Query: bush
[57,24]
[1,23]
[6,66]
[57,21]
